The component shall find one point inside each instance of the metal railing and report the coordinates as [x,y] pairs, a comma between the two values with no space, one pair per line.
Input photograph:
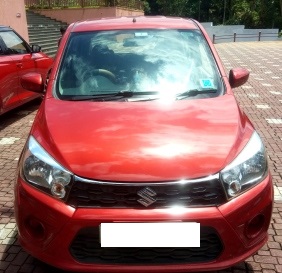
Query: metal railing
[50,4]
[234,37]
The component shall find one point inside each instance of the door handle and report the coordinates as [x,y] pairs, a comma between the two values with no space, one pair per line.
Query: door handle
[20,65]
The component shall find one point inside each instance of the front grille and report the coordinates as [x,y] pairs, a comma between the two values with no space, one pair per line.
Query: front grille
[125,195]
[86,248]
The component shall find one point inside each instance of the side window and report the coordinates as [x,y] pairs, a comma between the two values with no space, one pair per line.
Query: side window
[14,44]
[2,46]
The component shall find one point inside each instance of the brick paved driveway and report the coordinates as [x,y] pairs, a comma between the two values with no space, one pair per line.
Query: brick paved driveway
[261,98]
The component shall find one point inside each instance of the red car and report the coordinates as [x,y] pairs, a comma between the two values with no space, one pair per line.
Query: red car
[17,58]
[139,158]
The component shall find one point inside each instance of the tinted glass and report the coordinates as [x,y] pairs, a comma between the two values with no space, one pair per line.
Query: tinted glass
[167,62]
[14,43]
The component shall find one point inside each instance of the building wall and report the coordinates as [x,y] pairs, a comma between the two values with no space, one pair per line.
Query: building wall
[126,12]
[79,14]
[12,13]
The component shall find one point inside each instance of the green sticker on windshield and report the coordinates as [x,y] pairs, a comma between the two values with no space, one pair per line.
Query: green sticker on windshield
[207,83]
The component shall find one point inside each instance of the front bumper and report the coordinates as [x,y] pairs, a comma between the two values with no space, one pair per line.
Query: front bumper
[53,228]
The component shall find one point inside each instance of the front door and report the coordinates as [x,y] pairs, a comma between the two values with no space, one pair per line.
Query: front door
[23,59]
[8,80]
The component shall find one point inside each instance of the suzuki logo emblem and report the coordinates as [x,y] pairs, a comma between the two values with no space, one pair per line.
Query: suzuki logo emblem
[146,195]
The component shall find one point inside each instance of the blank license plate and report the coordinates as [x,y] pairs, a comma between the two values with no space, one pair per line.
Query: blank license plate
[150,234]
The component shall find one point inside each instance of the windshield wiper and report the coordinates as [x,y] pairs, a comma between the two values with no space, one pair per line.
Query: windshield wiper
[129,93]
[103,97]
[194,92]
[112,96]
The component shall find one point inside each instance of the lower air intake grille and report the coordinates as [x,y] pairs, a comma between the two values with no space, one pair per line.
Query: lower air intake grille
[85,248]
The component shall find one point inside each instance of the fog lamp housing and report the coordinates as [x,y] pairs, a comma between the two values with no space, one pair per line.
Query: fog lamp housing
[255,226]
[35,228]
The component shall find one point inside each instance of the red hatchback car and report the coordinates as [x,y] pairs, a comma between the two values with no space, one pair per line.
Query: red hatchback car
[139,158]
[17,58]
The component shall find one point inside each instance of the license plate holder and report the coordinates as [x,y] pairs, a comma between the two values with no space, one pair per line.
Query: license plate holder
[176,234]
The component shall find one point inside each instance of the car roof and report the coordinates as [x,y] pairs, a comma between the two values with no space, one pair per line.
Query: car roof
[4,28]
[135,22]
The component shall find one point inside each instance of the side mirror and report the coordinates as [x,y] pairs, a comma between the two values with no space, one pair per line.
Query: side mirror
[35,48]
[33,82]
[238,76]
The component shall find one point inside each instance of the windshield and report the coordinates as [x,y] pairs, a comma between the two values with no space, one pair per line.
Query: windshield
[137,65]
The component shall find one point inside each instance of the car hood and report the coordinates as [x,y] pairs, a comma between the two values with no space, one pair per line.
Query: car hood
[141,141]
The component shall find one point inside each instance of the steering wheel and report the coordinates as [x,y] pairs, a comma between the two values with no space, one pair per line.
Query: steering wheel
[105,73]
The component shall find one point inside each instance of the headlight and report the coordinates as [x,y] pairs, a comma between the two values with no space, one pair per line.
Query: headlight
[38,168]
[248,169]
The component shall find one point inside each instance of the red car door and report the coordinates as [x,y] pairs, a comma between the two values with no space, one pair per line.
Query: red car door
[8,80]
[23,59]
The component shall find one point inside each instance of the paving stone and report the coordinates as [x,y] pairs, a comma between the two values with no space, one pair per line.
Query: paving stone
[4,265]
[267,266]
[10,257]
[12,269]
[276,252]
[253,266]
[266,259]
[14,249]
[278,268]
[274,245]
[26,268]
